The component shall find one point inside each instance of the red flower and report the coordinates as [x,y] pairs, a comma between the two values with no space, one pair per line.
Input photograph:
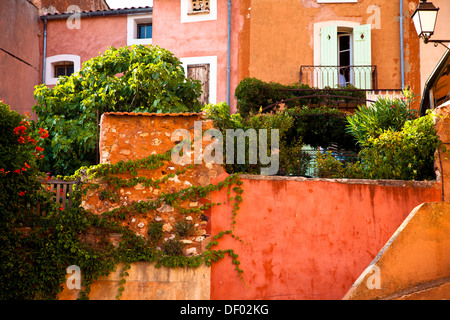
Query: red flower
[22,193]
[43,133]
[61,208]
[21,139]
[27,165]
[20,130]
[39,149]
[17,171]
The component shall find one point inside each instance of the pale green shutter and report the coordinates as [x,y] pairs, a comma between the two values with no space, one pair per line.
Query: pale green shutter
[362,56]
[329,56]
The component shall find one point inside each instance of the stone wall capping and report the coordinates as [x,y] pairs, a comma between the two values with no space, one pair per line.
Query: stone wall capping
[185,114]
[380,182]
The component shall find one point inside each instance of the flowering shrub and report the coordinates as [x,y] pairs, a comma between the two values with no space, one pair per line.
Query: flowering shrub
[19,154]
[383,114]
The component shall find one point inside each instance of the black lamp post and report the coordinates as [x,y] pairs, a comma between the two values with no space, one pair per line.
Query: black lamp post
[424,19]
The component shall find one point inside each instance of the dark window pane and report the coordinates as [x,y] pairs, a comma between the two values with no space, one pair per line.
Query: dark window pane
[141,31]
[344,58]
[59,71]
[144,31]
[344,43]
[69,70]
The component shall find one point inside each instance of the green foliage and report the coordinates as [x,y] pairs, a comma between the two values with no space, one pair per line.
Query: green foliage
[19,154]
[328,165]
[253,94]
[37,246]
[322,127]
[291,159]
[155,232]
[131,79]
[384,114]
[172,247]
[405,154]
[185,228]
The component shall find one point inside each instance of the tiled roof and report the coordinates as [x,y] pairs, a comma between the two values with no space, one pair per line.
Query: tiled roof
[116,11]
[186,114]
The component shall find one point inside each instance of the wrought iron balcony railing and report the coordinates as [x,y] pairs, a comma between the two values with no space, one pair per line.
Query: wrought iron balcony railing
[362,77]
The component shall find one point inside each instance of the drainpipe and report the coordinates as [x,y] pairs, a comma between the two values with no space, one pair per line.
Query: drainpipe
[229,53]
[402,62]
[45,50]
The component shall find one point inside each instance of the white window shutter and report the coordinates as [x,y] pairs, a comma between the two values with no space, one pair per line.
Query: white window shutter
[329,56]
[362,56]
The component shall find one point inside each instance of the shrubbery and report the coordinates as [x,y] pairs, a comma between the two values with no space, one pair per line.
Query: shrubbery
[394,144]
[132,79]
[253,94]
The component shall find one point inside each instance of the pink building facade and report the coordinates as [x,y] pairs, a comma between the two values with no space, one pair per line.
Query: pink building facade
[205,39]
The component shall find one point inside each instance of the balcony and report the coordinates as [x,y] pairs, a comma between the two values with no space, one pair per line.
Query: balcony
[361,77]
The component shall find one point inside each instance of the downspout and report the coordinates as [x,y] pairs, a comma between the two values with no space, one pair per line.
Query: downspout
[45,50]
[229,53]
[402,62]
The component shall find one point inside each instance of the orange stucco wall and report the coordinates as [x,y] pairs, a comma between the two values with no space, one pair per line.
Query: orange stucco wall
[277,38]
[414,264]
[309,238]
[21,37]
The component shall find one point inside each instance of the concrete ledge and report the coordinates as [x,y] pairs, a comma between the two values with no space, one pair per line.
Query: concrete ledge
[388,183]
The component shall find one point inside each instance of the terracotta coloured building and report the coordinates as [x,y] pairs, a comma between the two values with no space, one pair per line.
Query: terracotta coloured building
[198,32]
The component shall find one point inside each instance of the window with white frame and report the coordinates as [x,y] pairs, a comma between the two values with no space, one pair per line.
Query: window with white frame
[203,69]
[198,6]
[139,29]
[198,10]
[60,65]
[342,50]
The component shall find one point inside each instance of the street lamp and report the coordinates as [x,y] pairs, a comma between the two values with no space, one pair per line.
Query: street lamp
[424,18]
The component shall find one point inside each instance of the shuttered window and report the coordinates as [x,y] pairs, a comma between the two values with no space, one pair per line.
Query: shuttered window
[335,55]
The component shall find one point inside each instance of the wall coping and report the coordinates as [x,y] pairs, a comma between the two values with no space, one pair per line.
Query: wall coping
[186,114]
[379,182]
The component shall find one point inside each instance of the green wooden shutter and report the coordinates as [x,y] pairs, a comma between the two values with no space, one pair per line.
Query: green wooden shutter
[362,56]
[329,56]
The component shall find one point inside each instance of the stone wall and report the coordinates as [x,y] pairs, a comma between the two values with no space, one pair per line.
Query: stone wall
[133,136]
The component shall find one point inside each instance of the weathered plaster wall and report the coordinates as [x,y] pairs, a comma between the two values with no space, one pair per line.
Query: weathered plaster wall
[277,38]
[145,282]
[132,136]
[414,263]
[197,39]
[62,5]
[94,36]
[309,238]
[20,36]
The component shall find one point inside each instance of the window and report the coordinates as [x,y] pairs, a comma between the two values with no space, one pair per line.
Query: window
[63,68]
[144,31]
[197,6]
[203,69]
[60,65]
[345,56]
[139,29]
[200,72]
[198,10]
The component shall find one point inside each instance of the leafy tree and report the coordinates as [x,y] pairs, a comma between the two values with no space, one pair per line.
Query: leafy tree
[128,79]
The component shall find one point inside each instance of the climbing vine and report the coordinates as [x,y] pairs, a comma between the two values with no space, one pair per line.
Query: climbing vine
[39,239]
